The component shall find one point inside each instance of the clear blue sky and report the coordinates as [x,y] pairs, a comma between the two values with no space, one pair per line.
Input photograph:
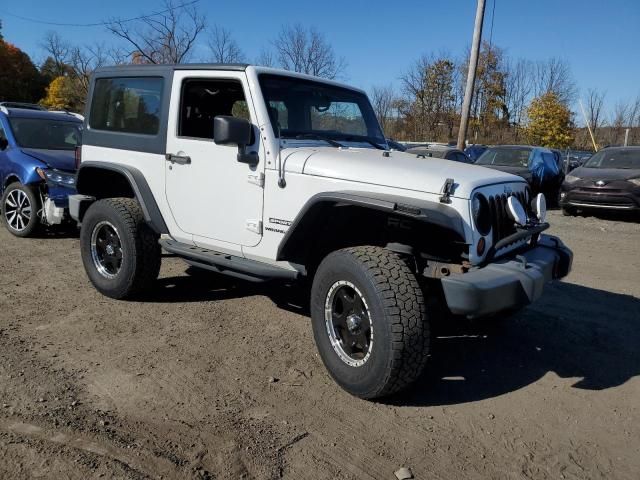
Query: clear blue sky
[380,39]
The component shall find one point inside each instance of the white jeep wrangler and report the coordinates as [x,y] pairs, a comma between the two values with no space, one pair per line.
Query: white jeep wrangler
[264,175]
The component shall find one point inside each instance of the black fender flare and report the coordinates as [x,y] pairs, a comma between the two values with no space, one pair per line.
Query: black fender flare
[434,213]
[139,186]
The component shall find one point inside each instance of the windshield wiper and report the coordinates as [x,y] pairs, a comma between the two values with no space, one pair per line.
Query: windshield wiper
[315,136]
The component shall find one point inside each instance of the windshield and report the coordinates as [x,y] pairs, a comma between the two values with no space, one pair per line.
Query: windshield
[46,134]
[314,110]
[511,157]
[618,158]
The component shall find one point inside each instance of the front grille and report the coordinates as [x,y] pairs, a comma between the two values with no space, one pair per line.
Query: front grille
[502,224]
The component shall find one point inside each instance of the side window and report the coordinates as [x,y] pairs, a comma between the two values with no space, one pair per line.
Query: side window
[3,136]
[203,100]
[130,105]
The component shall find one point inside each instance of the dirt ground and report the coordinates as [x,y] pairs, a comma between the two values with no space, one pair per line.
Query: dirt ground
[214,378]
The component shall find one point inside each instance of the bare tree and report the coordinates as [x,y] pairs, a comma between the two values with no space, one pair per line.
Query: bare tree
[307,51]
[165,37]
[618,122]
[84,61]
[384,100]
[594,109]
[266,58]
[414,85]
[518,88]
[223,46]
[59,53]
[554,75]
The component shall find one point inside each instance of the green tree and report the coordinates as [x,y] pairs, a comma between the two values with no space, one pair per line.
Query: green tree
[549,122]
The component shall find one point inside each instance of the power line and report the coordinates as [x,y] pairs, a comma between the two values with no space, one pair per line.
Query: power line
[99,24]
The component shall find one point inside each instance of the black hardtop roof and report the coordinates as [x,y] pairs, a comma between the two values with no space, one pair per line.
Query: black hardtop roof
[137,69]
[42,114]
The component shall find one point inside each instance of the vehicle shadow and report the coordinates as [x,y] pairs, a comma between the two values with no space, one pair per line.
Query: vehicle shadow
[612,215]
[573,331]
[201,285]
[57,232]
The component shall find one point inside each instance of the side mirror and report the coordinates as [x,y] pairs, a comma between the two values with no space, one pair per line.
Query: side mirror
[229,130]
[4,143]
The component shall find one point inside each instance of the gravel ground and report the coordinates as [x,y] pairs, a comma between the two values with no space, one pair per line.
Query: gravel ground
[213,378]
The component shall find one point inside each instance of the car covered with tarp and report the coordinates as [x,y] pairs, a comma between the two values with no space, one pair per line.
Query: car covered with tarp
[539,166]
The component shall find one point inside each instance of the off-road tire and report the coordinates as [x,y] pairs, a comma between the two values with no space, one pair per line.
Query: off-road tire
[34,223]
[141,253]
[401,330]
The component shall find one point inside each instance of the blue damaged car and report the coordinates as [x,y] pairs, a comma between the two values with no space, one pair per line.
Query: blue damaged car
[37,167]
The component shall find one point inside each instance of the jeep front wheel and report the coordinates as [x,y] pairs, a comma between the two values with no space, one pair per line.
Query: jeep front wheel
[369,321]
[120,253]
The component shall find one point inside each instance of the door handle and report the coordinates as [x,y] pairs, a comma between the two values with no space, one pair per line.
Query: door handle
[181,159]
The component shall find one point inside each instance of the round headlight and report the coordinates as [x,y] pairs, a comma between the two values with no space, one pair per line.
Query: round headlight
[516,211]
[539,205]
[481,213]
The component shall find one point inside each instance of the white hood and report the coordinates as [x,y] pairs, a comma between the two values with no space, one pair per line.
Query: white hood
[399,169]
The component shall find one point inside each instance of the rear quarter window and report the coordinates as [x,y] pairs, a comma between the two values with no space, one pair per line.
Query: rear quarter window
[127,104]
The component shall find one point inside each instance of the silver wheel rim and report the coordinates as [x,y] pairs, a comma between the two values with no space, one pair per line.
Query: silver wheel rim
[17,210]
[348,325]
[106,249]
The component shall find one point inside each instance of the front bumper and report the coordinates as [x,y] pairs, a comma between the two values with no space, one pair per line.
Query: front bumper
[509,282]
[613,199]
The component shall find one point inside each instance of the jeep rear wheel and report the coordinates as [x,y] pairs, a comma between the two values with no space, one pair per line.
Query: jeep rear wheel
[120,253]
[369,321]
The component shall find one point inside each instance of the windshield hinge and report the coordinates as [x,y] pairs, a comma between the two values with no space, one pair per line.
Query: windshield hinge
[447,190]
[256,179]
[254,226]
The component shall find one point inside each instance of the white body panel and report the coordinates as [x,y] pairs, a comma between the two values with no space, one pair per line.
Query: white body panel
[211,197]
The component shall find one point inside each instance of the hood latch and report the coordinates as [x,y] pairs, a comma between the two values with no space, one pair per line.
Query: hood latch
[447,190]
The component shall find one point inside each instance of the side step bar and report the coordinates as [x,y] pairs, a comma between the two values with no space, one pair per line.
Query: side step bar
[239,267]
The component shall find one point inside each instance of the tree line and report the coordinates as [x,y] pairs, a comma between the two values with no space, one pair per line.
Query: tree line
[515,100]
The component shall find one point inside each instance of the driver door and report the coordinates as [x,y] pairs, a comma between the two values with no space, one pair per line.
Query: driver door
[211,195]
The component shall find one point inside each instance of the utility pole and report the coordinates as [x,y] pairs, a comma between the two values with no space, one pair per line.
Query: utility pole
[626,136]
[471,76]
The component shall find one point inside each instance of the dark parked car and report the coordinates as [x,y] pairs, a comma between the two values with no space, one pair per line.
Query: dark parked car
[37,167]
[474,151]
[610,180]
[577,158]
[539,166]
[440,151]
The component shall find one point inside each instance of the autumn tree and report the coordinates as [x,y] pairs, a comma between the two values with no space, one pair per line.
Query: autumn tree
[431,97]
[549,122]
[20,80]
[489,110]
[62,94]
